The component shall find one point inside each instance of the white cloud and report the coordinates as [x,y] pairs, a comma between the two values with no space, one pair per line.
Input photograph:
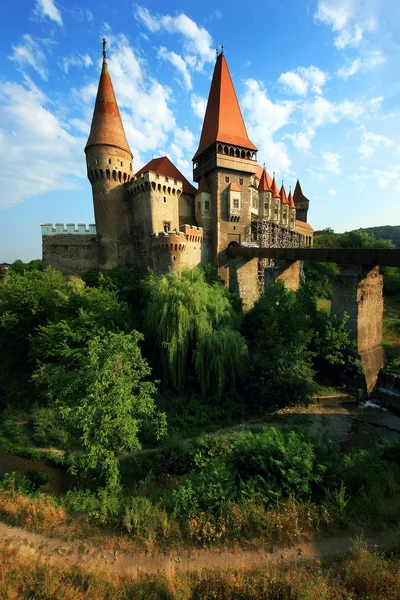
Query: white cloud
[321,111]
[47,8]
[264,118]
[387,177]
[362,65]
[302,139]
[184,138]
[177,61]
[30,53]
[304,78]
[370,142]
[198,104]
[349,19]
[39,154]
[78,60]
[332,192]
[331,162]
[197,40]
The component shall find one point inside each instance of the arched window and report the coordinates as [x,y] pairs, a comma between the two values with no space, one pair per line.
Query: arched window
[231,152]
[115,175]
[225,149]
[219,149]
[237,152]
[243,154]
[108,173]
[119,176]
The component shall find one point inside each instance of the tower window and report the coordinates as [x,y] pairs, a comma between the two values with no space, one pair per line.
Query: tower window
[226,179]
[122,164]
[109,161]
[167,226]
[207,205]
[241,181]
[96,161]
[165,198]
[236,203]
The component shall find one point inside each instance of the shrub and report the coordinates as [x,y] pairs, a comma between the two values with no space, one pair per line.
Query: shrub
[40,511]
[101,507]
[144,519]
[46,427]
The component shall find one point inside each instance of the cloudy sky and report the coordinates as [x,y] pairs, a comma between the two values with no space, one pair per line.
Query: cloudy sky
[318,82]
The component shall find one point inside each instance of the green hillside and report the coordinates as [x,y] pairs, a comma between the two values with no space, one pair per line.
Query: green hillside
[384,232]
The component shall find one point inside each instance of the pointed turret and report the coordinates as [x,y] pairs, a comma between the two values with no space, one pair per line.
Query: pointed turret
[223,121]
[109,167]
[301,203]
[107,125]
[282,195]
[290,200]
[263,186]
[274,189]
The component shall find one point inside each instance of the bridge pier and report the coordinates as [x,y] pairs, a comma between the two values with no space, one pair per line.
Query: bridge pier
[288,271]
[243,279]
[357,290]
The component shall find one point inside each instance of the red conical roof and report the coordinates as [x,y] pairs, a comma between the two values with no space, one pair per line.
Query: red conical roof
[223,121]
[163,166]
[298,195]
[282,195]
[290,200]
[264,185]
[107,125]
[203,186]
[274,189]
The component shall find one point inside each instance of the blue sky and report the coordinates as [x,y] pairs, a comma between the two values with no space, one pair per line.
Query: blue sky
[318,82]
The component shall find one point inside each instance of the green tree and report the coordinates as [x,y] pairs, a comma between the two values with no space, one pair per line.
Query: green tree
[103,398]
[279,333]
[182,318]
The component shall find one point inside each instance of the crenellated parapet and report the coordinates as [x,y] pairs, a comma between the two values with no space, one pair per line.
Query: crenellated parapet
[155,182]
[68,229]
[178,241]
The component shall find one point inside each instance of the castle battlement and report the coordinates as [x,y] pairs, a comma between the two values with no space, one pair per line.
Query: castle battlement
[179,240]
[68,229]
[156,183]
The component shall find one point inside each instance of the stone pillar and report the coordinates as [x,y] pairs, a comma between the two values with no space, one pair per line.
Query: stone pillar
[243,279]
[357,291]
[288,271]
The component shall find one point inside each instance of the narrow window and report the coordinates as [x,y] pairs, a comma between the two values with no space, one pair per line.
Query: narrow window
[226,179]
[236,203]
[167,226]
[207,205]
[241,181]
[109,161]
[165,199]
[122,164]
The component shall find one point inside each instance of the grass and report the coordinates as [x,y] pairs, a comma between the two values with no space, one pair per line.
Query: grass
[362,574]
[391,328]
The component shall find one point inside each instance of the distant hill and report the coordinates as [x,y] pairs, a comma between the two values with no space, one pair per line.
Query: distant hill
[384,232]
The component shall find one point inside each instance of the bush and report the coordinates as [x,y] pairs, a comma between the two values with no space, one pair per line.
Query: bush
[28,484]
[101,507]
[144,519]
[47,431]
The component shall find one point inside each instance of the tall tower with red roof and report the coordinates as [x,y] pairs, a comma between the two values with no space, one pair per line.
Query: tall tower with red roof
[109,166]
[226,158]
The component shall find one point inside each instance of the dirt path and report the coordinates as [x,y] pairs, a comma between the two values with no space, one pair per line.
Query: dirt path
[87,556]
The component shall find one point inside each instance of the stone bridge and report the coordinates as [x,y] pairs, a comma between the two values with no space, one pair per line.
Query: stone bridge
[357,289]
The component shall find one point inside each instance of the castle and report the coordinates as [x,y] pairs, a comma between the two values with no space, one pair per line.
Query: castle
[155,218]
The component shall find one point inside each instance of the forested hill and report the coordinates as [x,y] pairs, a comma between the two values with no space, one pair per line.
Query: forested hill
[385,232]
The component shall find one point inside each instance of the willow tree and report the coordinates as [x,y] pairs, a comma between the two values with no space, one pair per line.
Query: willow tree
[182,313]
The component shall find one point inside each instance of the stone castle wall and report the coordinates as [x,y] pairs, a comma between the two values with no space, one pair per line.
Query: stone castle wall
[73,251]
[179,250]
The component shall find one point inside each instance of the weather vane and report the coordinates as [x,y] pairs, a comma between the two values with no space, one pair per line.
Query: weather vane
[104,47]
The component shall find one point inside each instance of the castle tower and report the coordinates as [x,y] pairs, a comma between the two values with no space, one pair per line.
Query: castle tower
[301,203]
[276,202]
[284,207]
[227,159]
[265,196]
[109,167]
[292,211]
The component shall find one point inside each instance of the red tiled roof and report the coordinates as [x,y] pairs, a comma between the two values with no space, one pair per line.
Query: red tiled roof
[298,195]
[290,200]
[264,185]
[163,166]
[233,187]
[302,224]
[223,121]
[282,195]
[274,189]
[203,185]
[107,125]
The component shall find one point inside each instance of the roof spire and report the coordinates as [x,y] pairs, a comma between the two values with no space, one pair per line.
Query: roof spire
[223,121]
[107,128]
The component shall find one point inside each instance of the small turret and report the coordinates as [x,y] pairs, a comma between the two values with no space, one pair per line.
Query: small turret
[292,210]
[264,196]
[276,201]
[109,166]
[284,206]
[301,203]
